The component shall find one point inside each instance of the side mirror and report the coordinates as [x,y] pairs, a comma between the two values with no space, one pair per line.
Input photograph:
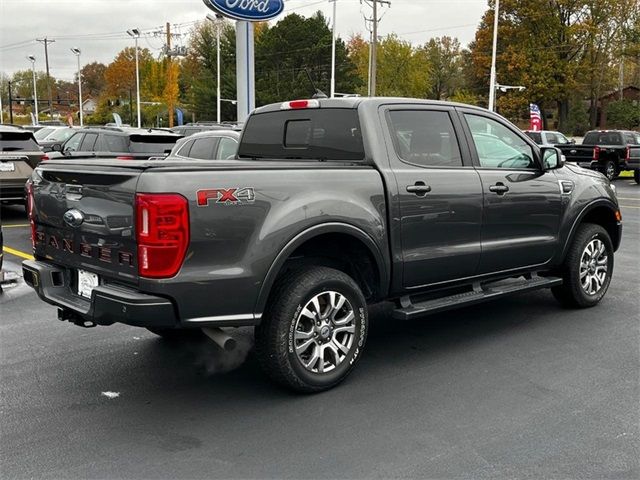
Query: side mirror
[56,147]
[552,158]
[572,141]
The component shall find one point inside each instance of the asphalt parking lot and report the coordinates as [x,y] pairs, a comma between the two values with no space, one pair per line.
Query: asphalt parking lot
[517,388]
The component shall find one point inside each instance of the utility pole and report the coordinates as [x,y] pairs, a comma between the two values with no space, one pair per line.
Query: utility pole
[169,75]
[373,50]
[45,41]
[333,50]
[135,34]
[492,81]
[10,104]
[621,79]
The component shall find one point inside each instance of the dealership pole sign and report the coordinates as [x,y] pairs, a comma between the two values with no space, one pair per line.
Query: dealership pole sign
[247,10]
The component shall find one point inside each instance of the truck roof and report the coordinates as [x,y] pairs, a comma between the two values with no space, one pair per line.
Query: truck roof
[356,102]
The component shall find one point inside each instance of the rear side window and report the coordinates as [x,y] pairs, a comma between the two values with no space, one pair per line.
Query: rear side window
[535,136]
[152,143]
[89,142]
[603,138]
[116,143]
[425,138]
[202,148]
[313,134]
[227,148]
[16,141]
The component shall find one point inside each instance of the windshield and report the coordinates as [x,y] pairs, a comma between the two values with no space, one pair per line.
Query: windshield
[312,134]
[43,133]
[61,134]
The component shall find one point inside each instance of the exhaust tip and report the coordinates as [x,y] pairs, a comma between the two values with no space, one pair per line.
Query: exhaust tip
[220,338]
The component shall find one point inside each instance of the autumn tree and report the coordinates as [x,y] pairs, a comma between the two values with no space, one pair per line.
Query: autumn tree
[93,81]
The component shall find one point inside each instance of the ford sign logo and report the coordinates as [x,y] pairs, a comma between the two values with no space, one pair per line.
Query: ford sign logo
[73,218]
[249,10]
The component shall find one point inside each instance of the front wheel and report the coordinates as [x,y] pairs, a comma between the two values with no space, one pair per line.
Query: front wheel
[587,269]
[314,329]
[636,176]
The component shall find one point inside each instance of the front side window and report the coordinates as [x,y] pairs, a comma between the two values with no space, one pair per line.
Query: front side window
[498,146]
[43,133]
[562,140]
[73,143]
[426,138]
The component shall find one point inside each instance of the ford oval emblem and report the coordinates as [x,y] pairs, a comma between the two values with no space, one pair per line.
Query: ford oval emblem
[249,10]
[73,218]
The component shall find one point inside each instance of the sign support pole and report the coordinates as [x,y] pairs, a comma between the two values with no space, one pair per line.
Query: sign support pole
[245,69]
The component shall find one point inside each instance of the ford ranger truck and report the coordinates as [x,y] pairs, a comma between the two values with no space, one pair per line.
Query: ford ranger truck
[330,206]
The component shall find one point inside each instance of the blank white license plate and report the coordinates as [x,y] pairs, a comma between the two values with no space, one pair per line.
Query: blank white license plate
[7,167]
[87,281]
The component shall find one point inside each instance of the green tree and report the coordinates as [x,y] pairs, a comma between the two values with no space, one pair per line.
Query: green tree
[443,57]
[623,114]
[93,82]
[294,46]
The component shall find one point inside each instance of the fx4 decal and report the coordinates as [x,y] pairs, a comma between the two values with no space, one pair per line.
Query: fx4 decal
[226,196]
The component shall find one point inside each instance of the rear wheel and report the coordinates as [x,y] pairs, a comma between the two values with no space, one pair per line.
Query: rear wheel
[610,170]
[587,269]
[314,329]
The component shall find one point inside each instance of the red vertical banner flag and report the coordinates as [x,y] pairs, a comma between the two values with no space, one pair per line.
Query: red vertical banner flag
[536,117]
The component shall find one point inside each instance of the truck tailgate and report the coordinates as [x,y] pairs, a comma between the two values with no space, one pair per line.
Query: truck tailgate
[84,219]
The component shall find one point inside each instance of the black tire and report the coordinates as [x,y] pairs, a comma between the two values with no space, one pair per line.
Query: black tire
[636,176]
[276,335]
[177,335]
[610,170]
[571,293]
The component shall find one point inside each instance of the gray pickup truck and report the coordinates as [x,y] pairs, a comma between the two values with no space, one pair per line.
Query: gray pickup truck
[330,206]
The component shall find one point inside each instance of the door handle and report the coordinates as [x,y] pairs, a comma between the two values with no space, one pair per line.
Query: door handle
[420,189]
[499,188]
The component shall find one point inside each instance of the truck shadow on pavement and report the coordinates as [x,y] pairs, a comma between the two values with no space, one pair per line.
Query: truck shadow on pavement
[392,347]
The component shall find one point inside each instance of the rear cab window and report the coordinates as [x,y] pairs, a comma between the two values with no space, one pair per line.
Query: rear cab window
[603,138]
[535,136]
[308,134]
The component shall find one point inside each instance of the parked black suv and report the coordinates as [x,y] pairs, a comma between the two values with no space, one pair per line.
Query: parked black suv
[19,155]
[121,142]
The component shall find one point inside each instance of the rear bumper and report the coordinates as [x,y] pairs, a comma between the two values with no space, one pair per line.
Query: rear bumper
[109,304]
[12,191]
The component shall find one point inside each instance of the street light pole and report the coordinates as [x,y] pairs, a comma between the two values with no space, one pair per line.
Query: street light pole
[32,59]
[492,86]
[76,52]
[135,33]
[216,20]
[333,50]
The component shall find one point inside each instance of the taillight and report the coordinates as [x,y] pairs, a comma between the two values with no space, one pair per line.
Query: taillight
[30,202]
[162,233]
[628,155]
[596,153]
[44,158]
[124,157]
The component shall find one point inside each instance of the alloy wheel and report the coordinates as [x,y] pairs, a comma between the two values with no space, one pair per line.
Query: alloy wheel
[594,267]
[324,332]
